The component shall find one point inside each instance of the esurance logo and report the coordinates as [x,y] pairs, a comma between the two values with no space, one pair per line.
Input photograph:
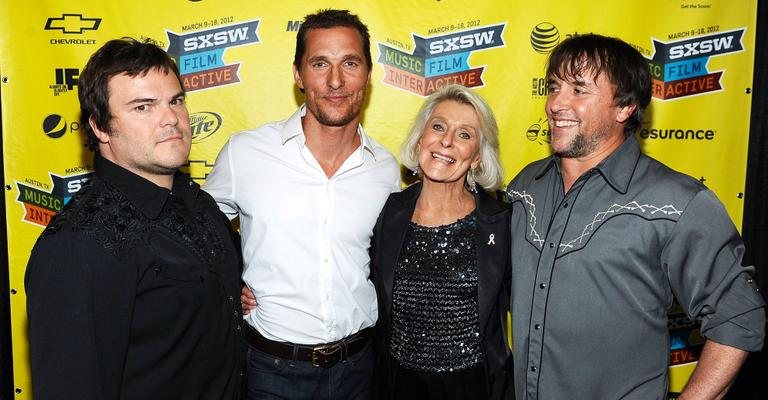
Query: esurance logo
[200,54]
[40,204]
[72,24]
[440,60]
[679,68]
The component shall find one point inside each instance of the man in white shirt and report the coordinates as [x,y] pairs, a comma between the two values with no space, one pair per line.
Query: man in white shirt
[308,191]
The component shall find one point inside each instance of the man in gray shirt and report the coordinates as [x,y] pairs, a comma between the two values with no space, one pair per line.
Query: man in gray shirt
[604,239]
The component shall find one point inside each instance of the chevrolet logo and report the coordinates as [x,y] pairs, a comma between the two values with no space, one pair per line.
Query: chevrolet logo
[198,170]
[72,23]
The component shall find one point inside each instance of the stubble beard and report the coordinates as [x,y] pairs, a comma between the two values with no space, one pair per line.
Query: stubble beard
[353,112]
[343,120]
[582,145]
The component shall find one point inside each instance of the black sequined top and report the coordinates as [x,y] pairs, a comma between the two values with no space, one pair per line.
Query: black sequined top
[434,305]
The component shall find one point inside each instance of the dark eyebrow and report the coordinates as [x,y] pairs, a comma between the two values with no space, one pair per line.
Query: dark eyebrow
[316,59]
[142,100]
[153,100]
[354,57]
[580,83]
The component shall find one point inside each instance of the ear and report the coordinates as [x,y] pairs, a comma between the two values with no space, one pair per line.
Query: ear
[625,113]
[101,135]
[476,162]
[297,78]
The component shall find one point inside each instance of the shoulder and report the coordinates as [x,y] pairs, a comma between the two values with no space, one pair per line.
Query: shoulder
[267,134]
[380,153]
[491,210]
[101,213]
[665,182]
[400,201]
[531,171]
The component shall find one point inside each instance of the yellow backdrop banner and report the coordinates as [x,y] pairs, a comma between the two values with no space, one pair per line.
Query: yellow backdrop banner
[236,55]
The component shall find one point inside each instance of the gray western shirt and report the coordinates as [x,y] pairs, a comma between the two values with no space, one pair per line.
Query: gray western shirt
[595,270]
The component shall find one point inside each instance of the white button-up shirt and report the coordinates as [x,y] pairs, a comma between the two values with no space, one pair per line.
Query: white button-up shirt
[305,236]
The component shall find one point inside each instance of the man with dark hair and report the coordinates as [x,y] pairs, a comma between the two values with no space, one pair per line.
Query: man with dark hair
[308,191]
[605,238]
[132,288]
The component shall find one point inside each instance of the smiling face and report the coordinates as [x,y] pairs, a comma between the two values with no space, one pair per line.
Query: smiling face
[450,143]
[583,119]
[334,75]
[149,127]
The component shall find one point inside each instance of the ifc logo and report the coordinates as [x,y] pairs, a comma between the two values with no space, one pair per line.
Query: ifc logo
[544,37]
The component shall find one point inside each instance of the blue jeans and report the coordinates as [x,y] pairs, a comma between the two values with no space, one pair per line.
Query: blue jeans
[271,377]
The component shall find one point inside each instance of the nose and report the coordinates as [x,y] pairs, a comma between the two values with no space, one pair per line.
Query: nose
[557,102]
[171,115]
[335,77]
[447,139]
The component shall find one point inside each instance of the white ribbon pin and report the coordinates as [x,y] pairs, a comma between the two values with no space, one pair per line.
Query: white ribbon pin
[490,239]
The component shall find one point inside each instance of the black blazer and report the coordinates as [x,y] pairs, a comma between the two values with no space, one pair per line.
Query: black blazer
[493,262]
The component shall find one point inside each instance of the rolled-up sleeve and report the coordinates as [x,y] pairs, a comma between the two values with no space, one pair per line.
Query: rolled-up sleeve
[703,258]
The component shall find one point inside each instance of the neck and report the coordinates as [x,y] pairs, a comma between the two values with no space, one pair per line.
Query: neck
[574,167]
[442,203]
[331,145]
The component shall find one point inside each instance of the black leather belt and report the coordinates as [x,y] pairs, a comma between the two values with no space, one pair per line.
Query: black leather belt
[321,355]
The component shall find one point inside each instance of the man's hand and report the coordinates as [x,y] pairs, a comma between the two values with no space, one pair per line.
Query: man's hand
[247,299]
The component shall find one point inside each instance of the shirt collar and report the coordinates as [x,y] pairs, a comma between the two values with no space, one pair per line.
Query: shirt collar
[294,130]
[143,194]
[617,169]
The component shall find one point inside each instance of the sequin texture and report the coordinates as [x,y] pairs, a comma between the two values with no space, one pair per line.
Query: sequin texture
[435,324]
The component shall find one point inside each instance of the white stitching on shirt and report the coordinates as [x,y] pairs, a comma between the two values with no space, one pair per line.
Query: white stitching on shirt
[615,208]
[528,199]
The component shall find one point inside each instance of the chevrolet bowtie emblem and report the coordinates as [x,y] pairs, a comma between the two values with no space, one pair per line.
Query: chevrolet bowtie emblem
[72,23]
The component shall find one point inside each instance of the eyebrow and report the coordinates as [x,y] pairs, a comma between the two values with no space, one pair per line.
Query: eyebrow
[346,57]
[153,100]
[576,81]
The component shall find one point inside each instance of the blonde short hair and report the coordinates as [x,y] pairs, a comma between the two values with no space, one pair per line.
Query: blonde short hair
[488,173]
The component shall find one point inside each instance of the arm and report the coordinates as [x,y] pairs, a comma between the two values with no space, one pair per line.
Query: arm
[220,183]
[77,337]
[715,372]
[703,258]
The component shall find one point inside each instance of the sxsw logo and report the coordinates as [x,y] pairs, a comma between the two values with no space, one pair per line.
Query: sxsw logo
[679,68]
[439,60]
[72,24]
[41,205]
[200,54]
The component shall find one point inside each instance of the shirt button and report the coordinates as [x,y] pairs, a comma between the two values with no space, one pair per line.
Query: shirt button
[537,327]
[542,285]
[533,368]
[551,245]
[565,205]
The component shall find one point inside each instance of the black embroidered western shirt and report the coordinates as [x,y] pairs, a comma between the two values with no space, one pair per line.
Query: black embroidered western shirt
[132,293]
